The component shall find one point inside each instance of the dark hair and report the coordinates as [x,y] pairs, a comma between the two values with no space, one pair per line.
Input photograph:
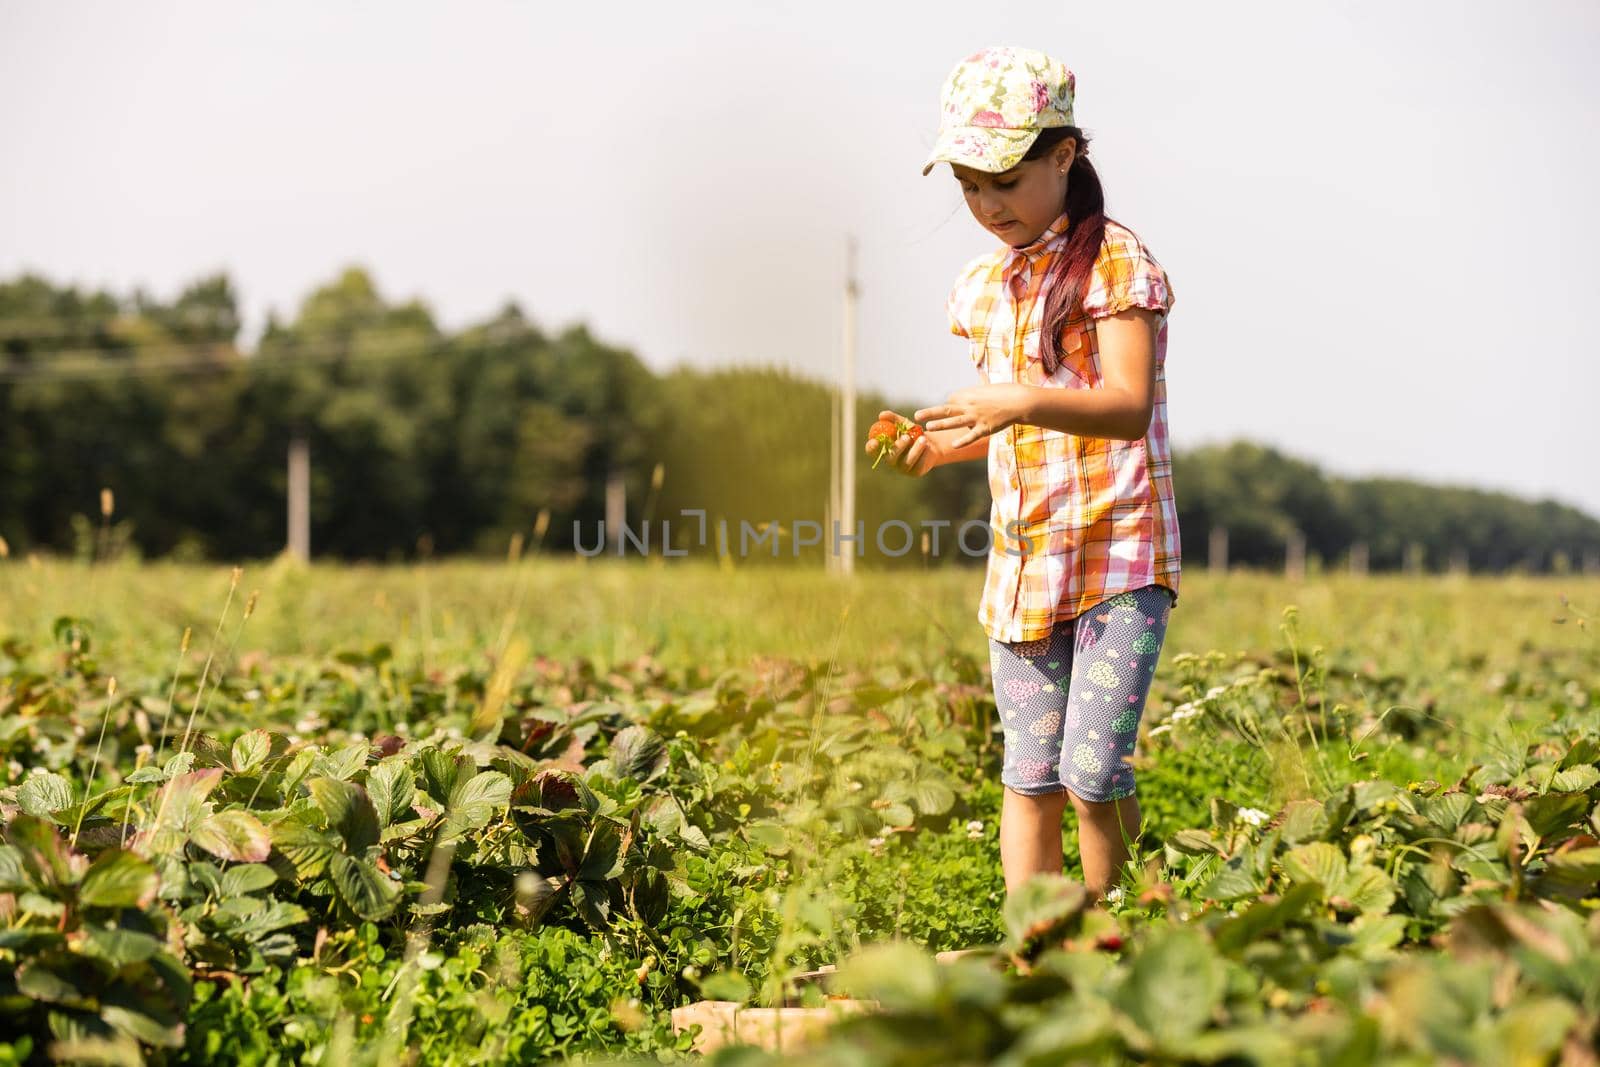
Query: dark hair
[1072,271]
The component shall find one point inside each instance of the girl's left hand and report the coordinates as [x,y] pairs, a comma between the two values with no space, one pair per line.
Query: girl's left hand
[979,409]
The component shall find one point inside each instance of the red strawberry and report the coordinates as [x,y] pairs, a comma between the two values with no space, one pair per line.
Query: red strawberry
[884,432]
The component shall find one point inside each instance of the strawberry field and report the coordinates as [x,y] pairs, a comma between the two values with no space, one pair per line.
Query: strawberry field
[482,814]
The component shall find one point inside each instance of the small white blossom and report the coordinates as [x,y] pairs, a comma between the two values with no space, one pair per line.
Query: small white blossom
[1114,895]
[1215,691]
[974,826]
[1253,816]
[142,750]
[875,842]
[453,732]
[14,768]
[854,786]
[37,771]
[402,728]
[252,694]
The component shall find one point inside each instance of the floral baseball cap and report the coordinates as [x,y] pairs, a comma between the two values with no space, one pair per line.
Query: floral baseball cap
[995,102]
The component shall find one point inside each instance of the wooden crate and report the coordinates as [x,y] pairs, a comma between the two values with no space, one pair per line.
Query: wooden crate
[727,1022]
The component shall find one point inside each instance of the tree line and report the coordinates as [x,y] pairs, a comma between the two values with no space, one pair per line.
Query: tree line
[425,441]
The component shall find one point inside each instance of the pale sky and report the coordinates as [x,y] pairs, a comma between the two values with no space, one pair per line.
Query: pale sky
[1376,217]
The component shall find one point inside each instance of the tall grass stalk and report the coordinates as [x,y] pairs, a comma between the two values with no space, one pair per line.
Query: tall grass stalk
[94,764]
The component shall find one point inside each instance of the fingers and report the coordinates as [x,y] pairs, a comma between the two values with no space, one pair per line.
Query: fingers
[889,415]
[913,458]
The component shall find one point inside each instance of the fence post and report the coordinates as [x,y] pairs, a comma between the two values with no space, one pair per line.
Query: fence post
[1219,550]
[299,498]
[1294,565]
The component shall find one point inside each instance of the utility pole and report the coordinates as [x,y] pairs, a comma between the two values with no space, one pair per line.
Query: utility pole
[847,437]
[299,498]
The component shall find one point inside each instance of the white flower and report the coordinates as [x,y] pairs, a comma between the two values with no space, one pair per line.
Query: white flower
[453,732]
[854,786]
[1114,895]
[37,771]
[357,735]
[14,768]
[405,728]
[875,842]
[252,694]
[975,827]
[1165,727]
[1253,816]
[143,750]
[1214,692]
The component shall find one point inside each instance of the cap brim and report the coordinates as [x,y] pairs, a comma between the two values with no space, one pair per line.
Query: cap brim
[984,148]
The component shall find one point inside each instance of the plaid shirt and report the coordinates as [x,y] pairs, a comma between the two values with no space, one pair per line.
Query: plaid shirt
[1098,513]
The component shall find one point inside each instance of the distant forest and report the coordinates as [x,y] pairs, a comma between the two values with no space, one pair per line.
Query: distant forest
[424,442]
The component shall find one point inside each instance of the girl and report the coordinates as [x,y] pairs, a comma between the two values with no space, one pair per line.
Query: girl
[1067,327]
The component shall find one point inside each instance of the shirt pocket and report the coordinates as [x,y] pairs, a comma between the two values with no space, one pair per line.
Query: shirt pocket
[1079,368]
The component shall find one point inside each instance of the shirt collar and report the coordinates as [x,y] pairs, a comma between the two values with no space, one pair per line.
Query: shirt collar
[1018,259]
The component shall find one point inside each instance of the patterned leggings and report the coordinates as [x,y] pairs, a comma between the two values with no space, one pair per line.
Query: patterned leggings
[1069,726]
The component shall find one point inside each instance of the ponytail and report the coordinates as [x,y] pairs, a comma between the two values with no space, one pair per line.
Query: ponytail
[1071,270]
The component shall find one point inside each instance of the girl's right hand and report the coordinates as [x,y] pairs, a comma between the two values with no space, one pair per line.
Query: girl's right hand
[915,457]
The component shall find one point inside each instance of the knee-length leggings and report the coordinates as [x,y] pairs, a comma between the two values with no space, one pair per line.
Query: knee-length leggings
[1070,702]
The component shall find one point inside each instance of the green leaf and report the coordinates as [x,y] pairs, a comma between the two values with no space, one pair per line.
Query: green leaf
[475,801]
[1040,908]
[250,750]
[349,811]
[392,787]
[1369,889]
[1576,779]
[1263,917]
[343,763]
[1194,842]
[897,815]
[42,794]
[13,877]
[441,771]
[1447,811]
[246,878]
[234,834]
[118,947]
[932,797]
[593,901]
[43,856]
[306,846]
[1555,811]
[368,891]
[137,1024]
[898,974]
[36,980]
[1583,750]
[181,804]
[119,879]
[1173,986]
[1304,820]
[1235,880]
[1318,861]
[602,859]
[638,752]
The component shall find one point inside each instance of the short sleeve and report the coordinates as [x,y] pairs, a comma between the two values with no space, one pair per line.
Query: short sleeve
[1126,276]
[963,298]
